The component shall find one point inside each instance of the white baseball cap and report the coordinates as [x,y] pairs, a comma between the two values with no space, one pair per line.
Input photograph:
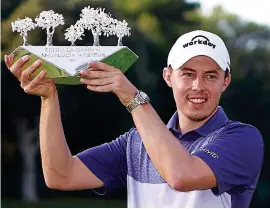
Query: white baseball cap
[198,43]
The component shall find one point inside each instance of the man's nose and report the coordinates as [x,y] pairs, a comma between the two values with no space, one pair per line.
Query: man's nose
[197,84]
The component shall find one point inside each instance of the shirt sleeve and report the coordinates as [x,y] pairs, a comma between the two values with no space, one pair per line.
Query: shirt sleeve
[235,158]
[108,162]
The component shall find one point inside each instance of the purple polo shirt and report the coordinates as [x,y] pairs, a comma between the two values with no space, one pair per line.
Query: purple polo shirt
[233,150]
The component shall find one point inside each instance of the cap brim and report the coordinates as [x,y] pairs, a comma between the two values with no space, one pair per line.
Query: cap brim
[180,62]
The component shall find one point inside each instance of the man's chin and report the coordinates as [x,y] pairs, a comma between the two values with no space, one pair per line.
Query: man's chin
[197,117]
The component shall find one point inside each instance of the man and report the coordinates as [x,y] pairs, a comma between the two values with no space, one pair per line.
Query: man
[200,159]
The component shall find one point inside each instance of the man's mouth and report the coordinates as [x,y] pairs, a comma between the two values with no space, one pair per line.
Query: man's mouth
[197,100]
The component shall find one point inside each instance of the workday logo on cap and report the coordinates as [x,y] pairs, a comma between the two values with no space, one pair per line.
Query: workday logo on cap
[200,39]
[198,43]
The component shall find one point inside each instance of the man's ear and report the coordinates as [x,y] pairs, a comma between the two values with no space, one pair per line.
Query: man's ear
[167,75]
[227,82]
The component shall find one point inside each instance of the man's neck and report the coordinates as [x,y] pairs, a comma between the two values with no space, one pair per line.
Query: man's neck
[185,124]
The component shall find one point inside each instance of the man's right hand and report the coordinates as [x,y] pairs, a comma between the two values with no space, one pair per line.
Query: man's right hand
[39,85]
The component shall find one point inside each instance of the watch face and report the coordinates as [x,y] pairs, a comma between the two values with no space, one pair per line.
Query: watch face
[142,94]
[140,98]
[143,98]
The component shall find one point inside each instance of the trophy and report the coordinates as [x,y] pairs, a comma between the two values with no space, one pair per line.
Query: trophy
[64,63]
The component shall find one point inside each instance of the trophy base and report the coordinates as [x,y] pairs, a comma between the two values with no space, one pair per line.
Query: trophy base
[63,63]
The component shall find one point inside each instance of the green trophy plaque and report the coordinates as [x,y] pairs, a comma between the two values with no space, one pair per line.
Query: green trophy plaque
[63,63]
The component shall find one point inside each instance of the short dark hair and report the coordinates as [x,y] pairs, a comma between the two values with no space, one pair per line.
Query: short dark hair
[227,72]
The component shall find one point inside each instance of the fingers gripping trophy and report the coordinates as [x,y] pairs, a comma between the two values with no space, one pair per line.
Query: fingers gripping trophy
[63,63]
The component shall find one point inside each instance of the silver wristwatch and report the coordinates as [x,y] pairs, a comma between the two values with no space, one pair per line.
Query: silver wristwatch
[140,98]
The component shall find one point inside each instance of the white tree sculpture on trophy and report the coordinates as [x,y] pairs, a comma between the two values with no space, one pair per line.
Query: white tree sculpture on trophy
[95,20]
[120,29]
[74,32]
[49,20]
[23,26]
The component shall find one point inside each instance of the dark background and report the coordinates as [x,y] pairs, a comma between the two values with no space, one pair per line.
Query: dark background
[91,119]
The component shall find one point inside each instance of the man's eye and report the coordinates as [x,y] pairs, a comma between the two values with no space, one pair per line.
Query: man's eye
[211,77]
[188,74]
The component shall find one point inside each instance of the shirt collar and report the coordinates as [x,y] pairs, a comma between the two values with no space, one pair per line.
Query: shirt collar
[216,121]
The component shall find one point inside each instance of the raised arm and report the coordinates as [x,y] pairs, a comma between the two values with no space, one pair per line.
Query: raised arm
[61,170]
[164,150]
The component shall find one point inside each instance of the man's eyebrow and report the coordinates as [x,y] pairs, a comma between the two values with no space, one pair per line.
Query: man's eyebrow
[188,69]
[212,71]
[193,70]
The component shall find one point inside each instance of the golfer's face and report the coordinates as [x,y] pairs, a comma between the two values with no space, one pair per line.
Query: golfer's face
[197,87]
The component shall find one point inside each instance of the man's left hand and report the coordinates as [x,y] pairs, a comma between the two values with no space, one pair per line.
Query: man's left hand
[101,77]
